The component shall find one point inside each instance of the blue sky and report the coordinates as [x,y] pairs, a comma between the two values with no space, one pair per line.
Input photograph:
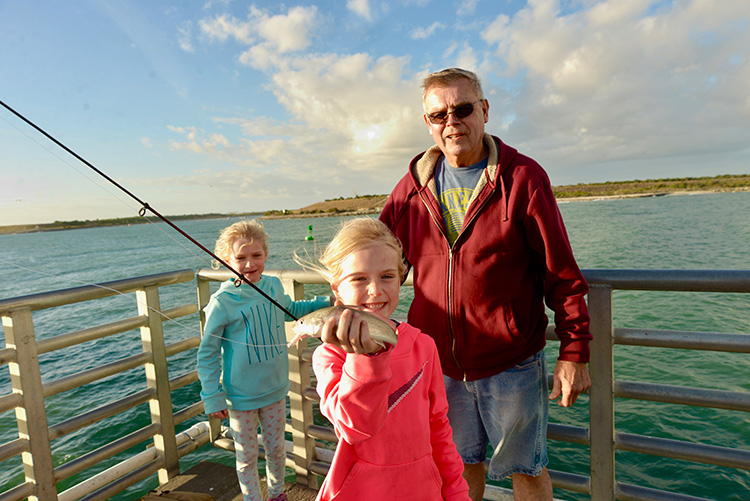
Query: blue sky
[230,106]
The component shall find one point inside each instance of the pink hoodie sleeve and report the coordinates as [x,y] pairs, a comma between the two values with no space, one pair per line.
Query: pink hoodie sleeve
[353,391]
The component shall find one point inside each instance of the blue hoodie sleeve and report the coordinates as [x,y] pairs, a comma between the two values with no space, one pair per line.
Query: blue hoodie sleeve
[305,306]
[297,308]
[209,358]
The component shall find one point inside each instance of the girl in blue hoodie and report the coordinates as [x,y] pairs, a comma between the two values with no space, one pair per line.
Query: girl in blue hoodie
[242,364]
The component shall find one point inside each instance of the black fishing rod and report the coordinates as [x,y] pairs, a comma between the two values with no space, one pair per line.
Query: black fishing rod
[146,207]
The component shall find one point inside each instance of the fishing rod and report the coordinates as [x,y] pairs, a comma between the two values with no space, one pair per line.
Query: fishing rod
[146,207]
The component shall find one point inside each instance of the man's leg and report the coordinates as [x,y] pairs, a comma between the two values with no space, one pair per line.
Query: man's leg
[468,433]
[526,487]
[475,476]
[514,407]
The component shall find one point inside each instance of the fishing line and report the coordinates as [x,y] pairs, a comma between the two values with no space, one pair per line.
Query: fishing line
[146,207]
[189,328]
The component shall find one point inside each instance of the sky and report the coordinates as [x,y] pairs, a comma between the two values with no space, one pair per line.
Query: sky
[226,106]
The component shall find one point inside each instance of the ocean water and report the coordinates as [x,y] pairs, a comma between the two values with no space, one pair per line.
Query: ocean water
[706,231]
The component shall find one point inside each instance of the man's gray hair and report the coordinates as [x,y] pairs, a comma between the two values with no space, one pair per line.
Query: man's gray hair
[448,77]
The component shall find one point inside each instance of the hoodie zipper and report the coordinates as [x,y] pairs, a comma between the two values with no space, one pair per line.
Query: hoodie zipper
[450,298]
[451,267]
[450,281]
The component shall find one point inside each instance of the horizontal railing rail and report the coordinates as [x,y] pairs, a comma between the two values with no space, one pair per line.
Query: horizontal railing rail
[313,440]
[603,440]
[30,394]
[671,280]
[83,293]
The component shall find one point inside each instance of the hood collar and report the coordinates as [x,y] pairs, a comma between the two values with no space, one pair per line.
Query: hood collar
[423,169]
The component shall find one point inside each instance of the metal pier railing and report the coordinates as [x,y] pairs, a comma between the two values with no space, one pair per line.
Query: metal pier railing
[47,472]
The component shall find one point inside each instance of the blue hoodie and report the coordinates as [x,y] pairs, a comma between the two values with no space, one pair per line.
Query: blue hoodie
[244,341]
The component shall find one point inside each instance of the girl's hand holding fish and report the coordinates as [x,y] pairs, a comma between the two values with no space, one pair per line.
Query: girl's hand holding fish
[351,333]
[345,326]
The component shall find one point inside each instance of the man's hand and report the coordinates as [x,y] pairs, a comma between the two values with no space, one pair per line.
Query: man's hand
[569,380]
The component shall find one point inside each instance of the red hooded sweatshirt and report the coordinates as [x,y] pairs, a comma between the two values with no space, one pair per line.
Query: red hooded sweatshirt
[482,299]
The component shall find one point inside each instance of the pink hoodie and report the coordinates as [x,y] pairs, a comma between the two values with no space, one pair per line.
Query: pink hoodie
[390,414]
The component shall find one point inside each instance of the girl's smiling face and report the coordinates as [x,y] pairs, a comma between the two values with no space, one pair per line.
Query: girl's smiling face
[249,258]
[369,278]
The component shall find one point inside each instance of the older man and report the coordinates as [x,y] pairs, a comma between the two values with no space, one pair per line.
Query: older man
[480,225]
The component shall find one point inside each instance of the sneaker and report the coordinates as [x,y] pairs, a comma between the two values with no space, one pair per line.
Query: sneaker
[280,497]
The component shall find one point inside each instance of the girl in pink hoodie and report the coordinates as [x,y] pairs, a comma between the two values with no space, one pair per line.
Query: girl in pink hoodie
[387,404]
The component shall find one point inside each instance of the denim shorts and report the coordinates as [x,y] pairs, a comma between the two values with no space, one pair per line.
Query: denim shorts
[508,410]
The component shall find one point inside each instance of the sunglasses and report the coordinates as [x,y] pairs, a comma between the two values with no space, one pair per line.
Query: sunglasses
[461,111]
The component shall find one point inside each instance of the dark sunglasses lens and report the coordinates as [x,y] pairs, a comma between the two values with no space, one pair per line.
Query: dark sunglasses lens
[438,118]
[464,110]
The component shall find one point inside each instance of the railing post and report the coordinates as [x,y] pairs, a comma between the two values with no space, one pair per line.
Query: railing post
[300,409]
[26,379]
[204,295]
[157,377]
[601,394]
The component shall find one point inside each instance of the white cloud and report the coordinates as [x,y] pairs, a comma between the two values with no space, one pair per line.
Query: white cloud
[267,36]
[286,33]
[361,8]
[466,57]
[623,79]
[467,7]
[614,81]
[353,120]
[352,115]
[422,33]
[184,38]
[223,27]
[198,141]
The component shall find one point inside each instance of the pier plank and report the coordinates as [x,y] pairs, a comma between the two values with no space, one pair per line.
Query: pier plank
[220,481]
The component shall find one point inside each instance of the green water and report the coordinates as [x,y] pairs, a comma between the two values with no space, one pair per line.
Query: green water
[710,231]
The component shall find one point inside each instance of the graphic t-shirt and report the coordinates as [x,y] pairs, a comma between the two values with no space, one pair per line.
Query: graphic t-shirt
[455,185]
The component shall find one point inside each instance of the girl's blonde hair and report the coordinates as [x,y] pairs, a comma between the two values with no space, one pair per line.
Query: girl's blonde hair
[250,230]
[355,235]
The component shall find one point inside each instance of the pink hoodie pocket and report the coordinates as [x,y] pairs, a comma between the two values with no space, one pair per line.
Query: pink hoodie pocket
[416,481]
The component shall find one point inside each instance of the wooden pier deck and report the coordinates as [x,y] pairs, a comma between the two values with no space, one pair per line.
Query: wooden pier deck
[220,481]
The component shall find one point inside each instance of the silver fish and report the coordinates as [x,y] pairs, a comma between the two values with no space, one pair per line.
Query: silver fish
[311,325]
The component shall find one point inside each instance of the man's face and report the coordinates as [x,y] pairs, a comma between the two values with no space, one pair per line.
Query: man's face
[460,139]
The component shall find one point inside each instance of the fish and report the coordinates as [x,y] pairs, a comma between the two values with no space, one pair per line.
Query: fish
[311,325]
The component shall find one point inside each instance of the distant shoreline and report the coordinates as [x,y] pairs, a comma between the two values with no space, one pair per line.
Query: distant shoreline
[333,212]
[590,198]
[654,194]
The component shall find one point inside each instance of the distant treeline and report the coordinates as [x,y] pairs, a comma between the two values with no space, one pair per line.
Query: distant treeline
[374,203]
[95,223]
[727,182]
